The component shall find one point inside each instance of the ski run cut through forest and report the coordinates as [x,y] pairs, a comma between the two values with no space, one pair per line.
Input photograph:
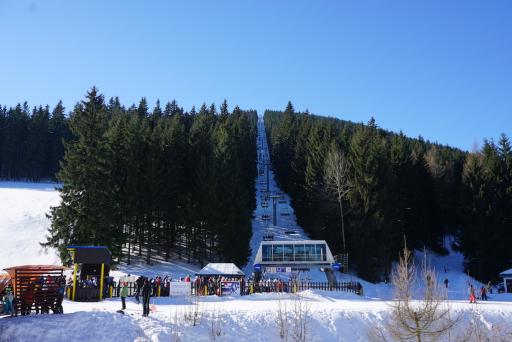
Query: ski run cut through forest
[170,191]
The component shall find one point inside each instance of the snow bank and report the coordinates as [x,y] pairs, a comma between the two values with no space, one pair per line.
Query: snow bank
[332,316]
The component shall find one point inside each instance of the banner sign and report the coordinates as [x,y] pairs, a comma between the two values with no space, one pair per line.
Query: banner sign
[278,270]
[230,288]
[127,279]
[179,288]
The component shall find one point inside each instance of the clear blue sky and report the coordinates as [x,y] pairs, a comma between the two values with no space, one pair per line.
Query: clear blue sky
[442,69]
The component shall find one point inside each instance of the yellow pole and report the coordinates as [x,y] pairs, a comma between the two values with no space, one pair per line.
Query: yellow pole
[111,291]
[101,280]
[158,290]
[74,280]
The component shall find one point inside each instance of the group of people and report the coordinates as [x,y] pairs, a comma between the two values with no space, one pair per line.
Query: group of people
[206,286]
[482,295]
[42,294]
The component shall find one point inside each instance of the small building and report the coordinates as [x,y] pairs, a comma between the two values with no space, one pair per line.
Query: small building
[294,253]
[228,280]
[507,280]
[229,270]
[91,265]
[36,286]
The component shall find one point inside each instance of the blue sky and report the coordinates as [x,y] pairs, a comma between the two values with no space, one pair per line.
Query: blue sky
[442,69]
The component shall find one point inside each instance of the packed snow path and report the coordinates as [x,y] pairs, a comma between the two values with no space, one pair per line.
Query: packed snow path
[286,227]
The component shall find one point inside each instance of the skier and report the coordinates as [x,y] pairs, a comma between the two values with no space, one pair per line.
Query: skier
[123,295]
[472,298]
[446,281]
[483,293]
[146,292]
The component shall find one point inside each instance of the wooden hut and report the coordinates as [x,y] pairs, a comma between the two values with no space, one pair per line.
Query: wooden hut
[91,265]
[36,287]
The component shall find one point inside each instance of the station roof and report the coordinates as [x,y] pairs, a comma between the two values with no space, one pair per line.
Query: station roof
[91,254]
[220,269]
[507,273]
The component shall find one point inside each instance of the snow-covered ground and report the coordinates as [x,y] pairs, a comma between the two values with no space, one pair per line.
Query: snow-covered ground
[331,316]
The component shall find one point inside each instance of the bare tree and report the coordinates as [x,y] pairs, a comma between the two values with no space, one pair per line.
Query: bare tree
[421,320]
[337,181]
[282,319]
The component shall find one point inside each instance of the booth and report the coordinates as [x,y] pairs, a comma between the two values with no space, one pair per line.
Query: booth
[91,267]
[222,279]
[36,287]
[507,280]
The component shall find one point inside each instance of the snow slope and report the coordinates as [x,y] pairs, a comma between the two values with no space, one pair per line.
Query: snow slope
[24,225]
[286,220]
[23,222]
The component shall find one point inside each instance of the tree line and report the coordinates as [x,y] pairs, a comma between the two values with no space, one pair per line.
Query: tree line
[393,186]
[31,141]
[157,183]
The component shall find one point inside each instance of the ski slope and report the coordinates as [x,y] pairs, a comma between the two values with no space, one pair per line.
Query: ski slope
[23,223]
[286,227]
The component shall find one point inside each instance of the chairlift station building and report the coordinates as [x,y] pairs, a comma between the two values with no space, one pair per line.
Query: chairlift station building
[295,255]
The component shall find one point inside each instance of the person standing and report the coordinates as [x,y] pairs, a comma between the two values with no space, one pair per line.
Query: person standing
[446,281]
[483,293]
[146,292]
[8,299]
[124,294]
[60,297]
[140,284]
[472,297]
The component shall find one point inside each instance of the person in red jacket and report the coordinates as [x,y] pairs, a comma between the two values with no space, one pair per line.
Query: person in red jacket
[27,299]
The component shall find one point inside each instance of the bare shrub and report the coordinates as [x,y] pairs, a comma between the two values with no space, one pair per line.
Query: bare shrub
[282,319]
[476,331]
[193,313]
[426,319]
[176,323]
[299,319]
[215,328]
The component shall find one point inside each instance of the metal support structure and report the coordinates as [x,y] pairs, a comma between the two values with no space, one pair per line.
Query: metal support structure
[274,209]
[268,177]
[75,271]
[101,280]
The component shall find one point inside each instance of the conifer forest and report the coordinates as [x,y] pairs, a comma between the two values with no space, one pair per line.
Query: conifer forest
[162,182]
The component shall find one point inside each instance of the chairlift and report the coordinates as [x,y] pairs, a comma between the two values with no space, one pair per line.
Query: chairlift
[268,236]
